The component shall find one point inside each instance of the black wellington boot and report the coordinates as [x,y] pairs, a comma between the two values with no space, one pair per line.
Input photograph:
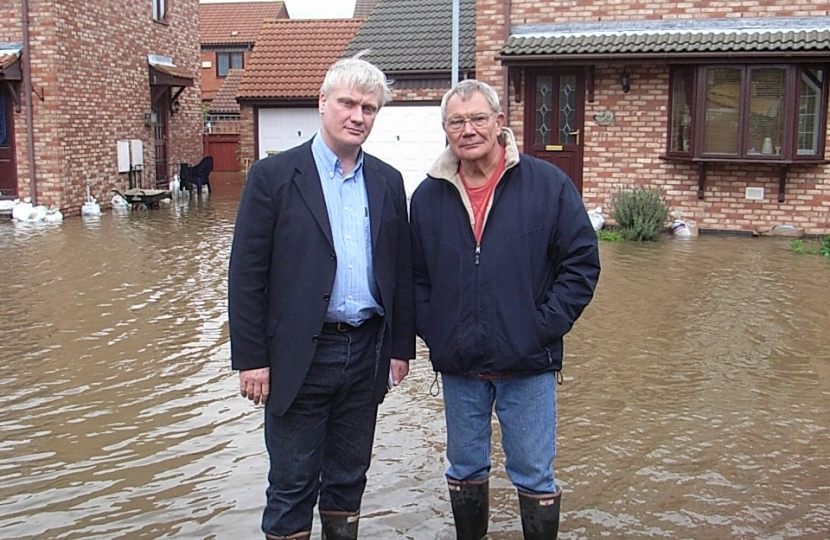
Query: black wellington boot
[540,515]
[340,525]
[470,508]
[305,535]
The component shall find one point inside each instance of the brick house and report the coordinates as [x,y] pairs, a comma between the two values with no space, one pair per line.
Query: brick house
[409,39]
[73,91]
[721,105]
[280,87]
[227,32]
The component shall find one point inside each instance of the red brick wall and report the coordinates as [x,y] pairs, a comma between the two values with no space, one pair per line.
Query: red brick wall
[210,82]
[627,152]
[89,64]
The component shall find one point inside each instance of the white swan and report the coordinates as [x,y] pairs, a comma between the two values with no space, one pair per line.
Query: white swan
[596,217]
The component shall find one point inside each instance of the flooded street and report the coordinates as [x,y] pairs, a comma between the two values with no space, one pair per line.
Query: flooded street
[696,401]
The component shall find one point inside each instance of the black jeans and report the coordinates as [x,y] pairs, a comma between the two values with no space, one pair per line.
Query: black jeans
[322,445]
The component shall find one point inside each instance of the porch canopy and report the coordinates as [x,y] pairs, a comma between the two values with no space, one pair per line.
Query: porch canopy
[10,71]
[164,76]
[698,40]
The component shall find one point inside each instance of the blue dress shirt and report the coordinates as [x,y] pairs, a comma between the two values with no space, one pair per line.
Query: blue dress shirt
[354,297]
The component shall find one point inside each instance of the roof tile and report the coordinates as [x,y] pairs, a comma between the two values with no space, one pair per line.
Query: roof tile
[225,100]
[236,22]
[406,35]
[291,57]
[363,8]
[794,35]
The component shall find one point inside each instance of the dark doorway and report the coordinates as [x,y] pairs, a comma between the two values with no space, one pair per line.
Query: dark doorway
[161,106]
[8,166]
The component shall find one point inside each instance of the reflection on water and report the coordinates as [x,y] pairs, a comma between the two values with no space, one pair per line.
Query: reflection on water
[695,403]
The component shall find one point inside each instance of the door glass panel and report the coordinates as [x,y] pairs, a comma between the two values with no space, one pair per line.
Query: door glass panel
[567,109]
[809,112]
[767,87]
[544,109]
[723,100]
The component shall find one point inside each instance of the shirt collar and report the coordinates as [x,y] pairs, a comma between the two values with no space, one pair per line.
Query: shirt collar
[326,157]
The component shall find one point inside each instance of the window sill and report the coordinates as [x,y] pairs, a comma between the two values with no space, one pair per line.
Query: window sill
[745,160]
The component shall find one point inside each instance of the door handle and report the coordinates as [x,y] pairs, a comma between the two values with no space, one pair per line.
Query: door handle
[575,134]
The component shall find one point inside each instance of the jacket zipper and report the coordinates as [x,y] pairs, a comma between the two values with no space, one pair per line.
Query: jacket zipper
[478,253]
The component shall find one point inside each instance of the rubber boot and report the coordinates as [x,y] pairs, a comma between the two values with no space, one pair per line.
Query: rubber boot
[540,515]
[340,525]
[304,535]
[470,508]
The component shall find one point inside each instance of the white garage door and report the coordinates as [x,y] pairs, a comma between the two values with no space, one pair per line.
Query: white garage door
[281,129]
[407,137]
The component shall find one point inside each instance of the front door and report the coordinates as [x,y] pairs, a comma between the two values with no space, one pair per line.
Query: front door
[554,113]
[8,167]
[161,106]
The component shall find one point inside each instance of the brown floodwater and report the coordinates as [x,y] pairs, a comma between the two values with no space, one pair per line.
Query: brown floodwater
[696,401]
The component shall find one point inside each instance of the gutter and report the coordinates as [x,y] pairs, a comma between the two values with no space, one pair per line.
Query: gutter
[27,90]
[669,57]
[505,75]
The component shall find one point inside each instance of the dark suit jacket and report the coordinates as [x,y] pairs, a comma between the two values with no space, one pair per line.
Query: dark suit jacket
[283,263]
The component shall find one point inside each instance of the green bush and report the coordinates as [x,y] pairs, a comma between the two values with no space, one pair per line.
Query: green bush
[822,247]
[607,235]
[640,213]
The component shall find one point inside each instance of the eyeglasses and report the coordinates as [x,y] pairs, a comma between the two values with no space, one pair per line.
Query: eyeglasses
[477,121]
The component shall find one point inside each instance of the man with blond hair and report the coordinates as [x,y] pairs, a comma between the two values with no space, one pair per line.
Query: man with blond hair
[320,305]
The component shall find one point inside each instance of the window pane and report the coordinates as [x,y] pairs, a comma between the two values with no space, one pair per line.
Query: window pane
[809,112]
[544,108]
[159,10]
[766,110]
[567,109]
[222,64]
[723,99]
[236,61]
[681,111]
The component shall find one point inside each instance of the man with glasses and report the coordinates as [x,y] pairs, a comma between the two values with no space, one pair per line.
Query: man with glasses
[505,261]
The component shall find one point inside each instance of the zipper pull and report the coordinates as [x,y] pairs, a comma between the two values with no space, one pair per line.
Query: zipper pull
[478,253]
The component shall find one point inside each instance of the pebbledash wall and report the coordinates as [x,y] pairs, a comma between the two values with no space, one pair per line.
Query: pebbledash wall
[90,81]
[627,152]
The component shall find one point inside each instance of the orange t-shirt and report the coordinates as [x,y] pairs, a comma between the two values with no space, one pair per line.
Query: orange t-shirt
[480,196]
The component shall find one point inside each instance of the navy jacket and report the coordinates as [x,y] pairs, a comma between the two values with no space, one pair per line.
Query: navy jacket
[501,307]
[283,263]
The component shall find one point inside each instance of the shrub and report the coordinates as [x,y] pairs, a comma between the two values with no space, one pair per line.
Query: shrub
[640,213]
[606,235]
[822,247]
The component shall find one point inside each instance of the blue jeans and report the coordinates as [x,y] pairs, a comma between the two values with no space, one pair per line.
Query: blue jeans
[526,410]
[322,445]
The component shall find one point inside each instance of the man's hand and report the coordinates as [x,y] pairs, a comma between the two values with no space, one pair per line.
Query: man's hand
[254,384]
[400,368]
